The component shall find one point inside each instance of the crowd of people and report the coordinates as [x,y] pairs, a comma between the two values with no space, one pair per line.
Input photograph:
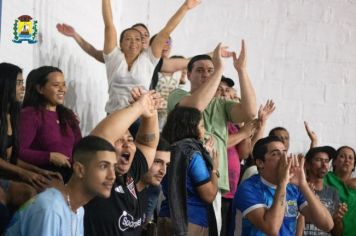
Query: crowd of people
[166,160]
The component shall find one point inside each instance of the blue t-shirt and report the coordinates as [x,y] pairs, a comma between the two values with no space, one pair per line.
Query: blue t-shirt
[46,214]
[197,174]
[255,192]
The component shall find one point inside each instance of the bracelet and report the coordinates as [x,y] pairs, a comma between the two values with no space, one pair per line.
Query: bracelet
[216,172]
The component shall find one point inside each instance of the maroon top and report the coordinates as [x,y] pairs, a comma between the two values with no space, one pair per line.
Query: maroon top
[40,134]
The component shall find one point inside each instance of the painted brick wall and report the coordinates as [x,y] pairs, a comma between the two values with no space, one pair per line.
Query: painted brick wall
[301,53]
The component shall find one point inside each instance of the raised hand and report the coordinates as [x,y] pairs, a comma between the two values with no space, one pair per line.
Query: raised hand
[241,61]
[265,111]
[209,144]
[340,212]
[297,173]
[249,128]
[312,135]
[283,169]
[66,30]
[192,3]
[225,53]
[217,57]
[149,102]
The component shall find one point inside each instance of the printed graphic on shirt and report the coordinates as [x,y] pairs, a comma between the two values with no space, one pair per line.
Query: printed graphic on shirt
[127,221]
[131,186]
[291,209]
[119,189]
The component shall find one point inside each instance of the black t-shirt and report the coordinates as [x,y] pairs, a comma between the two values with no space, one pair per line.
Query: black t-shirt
[122,213]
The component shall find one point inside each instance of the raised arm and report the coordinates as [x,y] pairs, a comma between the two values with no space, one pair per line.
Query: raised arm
[315,211]
[116,124]
[69,31]
[161,38]
[110,41]
[312,135]
[171,65]
[264,113]
[246,110]
[270,220]
[245,131]
[148,133]
[201,97]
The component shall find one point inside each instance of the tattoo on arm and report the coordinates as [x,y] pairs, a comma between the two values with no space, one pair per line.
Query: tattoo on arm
[282,199]
[146,138]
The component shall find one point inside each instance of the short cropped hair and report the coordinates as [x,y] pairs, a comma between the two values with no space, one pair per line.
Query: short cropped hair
[197,58]
[271,133]
[260,148]
[163,145]
[87,147]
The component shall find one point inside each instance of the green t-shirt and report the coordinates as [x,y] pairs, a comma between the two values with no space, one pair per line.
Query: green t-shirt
[215,116]
[347,195]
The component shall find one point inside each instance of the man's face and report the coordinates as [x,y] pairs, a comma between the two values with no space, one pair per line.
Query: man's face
[125,151]
[158,169]
[268,167]
[284,136]
[200,73]
[224,91]
[344,162]
[319,165]
[99,174]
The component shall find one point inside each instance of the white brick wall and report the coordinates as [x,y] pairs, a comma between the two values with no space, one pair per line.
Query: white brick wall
[301,53]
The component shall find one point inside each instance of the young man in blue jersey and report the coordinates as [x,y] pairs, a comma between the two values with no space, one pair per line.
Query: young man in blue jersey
[269,203]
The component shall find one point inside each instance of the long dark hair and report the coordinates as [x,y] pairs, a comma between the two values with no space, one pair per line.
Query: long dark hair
[9,105]
[182,122]
[38,78]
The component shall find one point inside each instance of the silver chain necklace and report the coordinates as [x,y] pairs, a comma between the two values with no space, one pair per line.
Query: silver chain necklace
[71,215]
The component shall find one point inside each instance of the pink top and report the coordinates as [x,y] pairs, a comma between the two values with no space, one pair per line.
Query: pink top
[233,164]
[40,134]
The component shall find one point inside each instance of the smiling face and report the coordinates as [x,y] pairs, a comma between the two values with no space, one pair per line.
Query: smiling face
[125,152]
[158,169]
[131,42]
[99,174]
[344,162]
[54,90]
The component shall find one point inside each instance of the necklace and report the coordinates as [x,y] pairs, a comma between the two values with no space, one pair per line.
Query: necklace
[71,214]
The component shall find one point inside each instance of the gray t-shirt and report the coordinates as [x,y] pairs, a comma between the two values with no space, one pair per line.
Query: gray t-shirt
[330,199]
